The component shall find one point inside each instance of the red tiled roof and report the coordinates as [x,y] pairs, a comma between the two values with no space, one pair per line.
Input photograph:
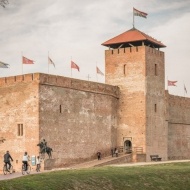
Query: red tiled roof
[132,35]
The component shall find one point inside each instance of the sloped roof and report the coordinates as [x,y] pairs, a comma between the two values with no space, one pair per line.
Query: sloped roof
[133,35]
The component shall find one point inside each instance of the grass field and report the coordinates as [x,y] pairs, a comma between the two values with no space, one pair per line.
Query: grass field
[173,176]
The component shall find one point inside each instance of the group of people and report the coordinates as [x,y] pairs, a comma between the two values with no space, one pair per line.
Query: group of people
[25,159]
[114,151]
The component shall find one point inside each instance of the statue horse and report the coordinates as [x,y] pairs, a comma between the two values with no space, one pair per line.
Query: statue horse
[44,150]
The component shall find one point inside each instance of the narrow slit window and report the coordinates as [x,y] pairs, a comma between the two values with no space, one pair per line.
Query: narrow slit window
[20,130]
[155,69]
[155,108]
[60,109]
[124,67]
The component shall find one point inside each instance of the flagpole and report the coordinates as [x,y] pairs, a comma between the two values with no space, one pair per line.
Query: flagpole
[22,61]
[96,73]
[48,62]
[184,88]
[133,19]
[71,67]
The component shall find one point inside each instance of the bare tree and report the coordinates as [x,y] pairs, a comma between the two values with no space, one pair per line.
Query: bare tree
[3,3]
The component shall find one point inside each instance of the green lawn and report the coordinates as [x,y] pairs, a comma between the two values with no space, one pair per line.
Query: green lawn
[175,176]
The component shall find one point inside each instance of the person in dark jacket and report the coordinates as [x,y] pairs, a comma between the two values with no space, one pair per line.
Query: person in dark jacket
[7,158]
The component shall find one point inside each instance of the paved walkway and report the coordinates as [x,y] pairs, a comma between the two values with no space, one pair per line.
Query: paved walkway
[90,164]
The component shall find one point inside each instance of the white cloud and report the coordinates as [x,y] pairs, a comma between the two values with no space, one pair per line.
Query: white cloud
[77,28]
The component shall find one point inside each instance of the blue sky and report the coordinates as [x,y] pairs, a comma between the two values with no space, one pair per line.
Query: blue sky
[73,29]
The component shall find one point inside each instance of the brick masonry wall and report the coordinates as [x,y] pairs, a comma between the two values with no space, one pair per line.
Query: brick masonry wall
[19,105]
[126,68]
[178,127]
[77,118]
[156,126]
[133,70]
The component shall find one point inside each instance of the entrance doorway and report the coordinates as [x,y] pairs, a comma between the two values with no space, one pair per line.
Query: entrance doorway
[128,146]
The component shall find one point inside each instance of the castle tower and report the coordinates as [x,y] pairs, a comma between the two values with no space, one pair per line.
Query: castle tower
[135,64]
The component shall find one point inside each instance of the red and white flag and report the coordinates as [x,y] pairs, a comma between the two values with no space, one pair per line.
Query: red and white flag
[171,83]
[27,61]
[74,66]
[50,61]
[99,72]
[139,13]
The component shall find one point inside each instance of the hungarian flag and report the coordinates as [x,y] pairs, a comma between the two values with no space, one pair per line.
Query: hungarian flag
[99,72]
[139,13]
[4,65]
[27,61]
[50,61]
[74,66]
[171,83]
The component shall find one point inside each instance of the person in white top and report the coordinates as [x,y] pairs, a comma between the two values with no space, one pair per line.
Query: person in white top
[38,163]
[25,160]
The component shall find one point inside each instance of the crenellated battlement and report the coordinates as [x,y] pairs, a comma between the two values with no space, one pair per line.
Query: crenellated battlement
[65,82]
[134,49]
[19,78]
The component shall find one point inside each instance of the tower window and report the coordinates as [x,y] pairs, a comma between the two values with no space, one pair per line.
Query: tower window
[124,71]
[155,70]
[20,129]
[60,109]
[155,108]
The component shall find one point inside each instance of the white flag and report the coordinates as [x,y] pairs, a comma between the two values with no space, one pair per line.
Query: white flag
[4,65]
[50,61]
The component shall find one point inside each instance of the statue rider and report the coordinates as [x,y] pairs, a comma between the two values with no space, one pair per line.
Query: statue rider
[44,147]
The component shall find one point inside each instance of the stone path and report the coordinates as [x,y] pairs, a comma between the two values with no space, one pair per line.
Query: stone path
[90,164]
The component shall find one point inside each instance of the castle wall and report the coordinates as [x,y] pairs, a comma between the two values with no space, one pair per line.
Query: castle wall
[77,118]
[178,127]
[156,126]
[19,107]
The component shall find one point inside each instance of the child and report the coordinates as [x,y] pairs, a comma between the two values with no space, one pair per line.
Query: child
[38,162]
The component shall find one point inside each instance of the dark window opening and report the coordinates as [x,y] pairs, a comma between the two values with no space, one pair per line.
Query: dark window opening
[124,67]
[155,70]
[155,107]
[20,129]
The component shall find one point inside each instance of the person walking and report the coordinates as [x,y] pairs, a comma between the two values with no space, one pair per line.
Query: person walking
[112,152]
[7,158]
[116,152]
[99,155]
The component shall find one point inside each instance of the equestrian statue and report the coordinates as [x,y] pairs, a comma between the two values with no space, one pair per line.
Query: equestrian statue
[45,149]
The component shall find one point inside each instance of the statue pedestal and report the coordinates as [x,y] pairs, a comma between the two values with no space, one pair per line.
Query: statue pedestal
[49,164]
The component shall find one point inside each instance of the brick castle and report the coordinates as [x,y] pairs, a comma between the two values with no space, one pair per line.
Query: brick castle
[132,111]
